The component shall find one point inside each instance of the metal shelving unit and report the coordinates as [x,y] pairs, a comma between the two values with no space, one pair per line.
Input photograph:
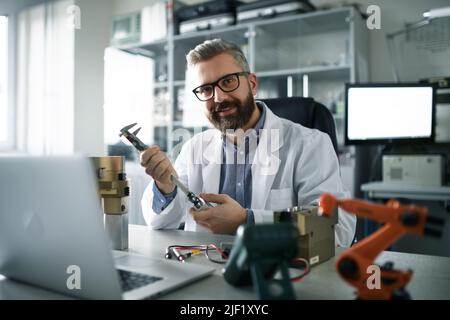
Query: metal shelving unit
[324,48]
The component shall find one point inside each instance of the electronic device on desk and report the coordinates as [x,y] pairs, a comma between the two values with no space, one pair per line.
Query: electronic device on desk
[420,170]
[52,235]
[258,252]
[207,15]
[316,233]
[386,113]
[272,8]
[401,117]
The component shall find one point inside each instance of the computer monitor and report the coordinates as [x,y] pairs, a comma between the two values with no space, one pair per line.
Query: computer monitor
[385,113]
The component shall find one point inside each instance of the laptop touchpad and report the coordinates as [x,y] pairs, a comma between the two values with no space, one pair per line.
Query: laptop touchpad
[134,261]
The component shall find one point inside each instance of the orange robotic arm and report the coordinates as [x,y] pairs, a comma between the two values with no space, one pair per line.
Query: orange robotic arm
[399,219]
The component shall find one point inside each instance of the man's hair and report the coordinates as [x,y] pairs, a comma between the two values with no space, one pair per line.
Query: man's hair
[211,48]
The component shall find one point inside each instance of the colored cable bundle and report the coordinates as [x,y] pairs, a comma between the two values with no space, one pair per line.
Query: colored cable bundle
[179,252]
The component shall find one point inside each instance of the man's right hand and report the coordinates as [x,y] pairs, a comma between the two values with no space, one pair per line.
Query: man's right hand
[158,166]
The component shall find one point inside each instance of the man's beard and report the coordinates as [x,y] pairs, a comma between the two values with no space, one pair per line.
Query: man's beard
[235,121]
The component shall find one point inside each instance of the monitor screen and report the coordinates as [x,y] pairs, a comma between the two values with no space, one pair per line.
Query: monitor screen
[389,113]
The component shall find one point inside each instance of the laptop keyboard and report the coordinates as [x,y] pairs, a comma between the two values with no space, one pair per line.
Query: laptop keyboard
[133,280]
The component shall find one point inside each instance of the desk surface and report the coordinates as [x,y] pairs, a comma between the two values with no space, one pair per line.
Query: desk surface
[431,278]
[388,190]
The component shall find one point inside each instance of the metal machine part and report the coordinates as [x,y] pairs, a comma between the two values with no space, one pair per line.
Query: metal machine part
[199,203]
[113,190]
[422,170]
[316,241]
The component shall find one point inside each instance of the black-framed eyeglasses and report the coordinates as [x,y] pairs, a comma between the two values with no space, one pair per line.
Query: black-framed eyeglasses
[227,83]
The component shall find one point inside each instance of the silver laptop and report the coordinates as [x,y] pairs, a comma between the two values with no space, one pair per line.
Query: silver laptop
[52,235]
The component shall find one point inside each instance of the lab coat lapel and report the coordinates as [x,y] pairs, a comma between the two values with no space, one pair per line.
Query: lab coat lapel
[267,160]
[211,160]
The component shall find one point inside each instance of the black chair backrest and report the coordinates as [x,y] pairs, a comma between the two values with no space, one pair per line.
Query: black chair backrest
[307,112]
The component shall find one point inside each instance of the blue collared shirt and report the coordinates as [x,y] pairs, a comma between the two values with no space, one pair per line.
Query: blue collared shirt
[235,171]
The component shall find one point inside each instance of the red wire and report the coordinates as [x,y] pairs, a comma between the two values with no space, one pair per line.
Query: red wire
[307,269]
[224,256]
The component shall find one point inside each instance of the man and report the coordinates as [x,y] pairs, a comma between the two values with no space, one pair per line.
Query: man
[252,163]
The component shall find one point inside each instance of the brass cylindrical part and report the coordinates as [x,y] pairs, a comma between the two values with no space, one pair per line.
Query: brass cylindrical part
[113,190]
[115,205]
[112,184]
[109,168]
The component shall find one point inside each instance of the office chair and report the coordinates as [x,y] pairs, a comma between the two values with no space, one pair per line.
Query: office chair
[307,112]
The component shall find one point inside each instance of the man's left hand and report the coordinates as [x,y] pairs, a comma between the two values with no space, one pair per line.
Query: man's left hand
[224,218]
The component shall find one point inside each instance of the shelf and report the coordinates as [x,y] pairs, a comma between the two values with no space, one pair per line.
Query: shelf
[332,72]
[416,192]
[308,70]
[321,18]
[315,41]
[160,85]
[186,42]
[280,50]
[322,14]
[306,23]
[179,83]
[237,29]
[443,91]
[151,49]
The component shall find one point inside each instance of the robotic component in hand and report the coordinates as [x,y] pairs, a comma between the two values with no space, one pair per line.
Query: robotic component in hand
[198,202]
[399,219]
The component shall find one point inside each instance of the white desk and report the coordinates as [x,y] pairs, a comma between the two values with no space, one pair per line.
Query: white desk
[431,278]
[436,199]
[388,190]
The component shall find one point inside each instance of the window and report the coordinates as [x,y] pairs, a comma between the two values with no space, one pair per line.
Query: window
[44,104]
[128,94]
[4,108]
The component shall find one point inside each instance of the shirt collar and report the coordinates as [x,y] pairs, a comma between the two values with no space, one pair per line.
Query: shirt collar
[262,118]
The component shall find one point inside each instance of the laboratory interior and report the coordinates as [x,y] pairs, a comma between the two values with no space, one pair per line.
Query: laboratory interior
[225,150]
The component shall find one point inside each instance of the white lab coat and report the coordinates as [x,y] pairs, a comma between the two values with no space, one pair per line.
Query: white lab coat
[293,166]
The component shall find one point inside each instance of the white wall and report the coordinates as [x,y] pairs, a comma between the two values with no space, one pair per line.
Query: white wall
[90,43]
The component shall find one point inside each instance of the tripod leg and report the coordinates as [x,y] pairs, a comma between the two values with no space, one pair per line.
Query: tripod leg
[271,289]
